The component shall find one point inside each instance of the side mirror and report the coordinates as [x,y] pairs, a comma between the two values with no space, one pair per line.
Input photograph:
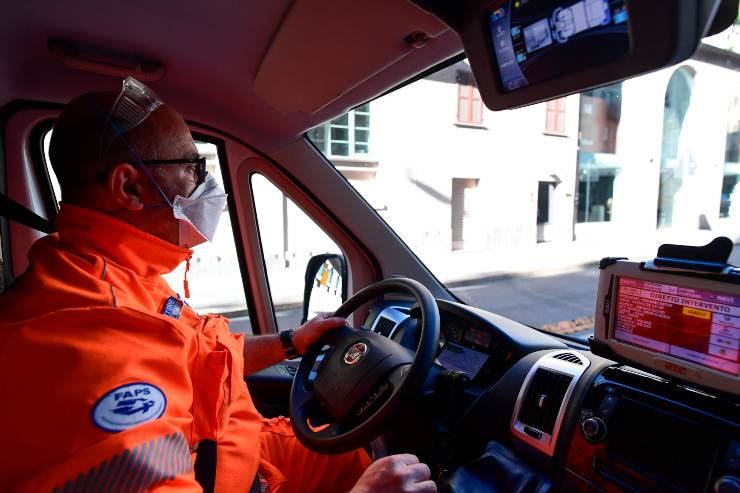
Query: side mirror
[325,284]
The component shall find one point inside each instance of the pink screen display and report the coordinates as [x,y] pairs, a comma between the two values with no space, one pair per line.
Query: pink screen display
[698,326]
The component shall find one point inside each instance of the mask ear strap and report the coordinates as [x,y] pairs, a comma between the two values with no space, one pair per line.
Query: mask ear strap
[112,125]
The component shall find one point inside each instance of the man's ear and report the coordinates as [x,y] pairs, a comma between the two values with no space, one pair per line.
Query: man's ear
[126,187]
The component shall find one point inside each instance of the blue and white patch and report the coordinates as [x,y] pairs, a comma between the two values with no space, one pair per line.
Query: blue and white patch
[129,405]
[173,307]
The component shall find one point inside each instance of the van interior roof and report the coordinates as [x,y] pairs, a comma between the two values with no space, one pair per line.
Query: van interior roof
[264,70]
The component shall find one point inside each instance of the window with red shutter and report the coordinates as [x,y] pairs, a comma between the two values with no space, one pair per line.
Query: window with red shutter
[555,116]
[469,105]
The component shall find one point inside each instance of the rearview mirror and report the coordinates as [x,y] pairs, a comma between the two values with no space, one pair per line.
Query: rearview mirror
[325,285]
[527,51]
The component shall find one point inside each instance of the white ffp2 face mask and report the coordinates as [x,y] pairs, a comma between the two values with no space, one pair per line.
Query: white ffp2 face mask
[198,215]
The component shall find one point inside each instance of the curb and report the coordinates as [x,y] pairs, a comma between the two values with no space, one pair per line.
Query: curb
[503,276]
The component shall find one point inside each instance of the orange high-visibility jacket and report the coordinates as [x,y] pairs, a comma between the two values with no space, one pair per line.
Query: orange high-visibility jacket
[108,380]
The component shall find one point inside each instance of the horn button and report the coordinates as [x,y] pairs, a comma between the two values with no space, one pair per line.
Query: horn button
[354,368]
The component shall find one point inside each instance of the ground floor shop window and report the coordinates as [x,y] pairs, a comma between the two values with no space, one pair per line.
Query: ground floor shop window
[600,114]
[730,190]
[596,174]
[458,212]
[730,197]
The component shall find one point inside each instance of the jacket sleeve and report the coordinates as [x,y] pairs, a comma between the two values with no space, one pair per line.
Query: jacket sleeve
[102,402]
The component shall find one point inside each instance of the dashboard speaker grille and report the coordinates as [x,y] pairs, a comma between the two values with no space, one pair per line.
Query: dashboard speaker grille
[543,399]
[385,326]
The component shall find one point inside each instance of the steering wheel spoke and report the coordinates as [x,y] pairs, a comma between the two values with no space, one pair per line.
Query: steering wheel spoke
[398,375]
[304,399]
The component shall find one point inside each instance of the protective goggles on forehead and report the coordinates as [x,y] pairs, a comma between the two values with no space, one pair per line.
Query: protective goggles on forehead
[131,108]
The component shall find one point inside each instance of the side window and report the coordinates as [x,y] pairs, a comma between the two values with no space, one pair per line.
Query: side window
[214,278]
[289,239]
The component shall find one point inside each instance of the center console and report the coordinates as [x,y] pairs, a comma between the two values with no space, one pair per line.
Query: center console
[653,406]
[640,432]
[668,419]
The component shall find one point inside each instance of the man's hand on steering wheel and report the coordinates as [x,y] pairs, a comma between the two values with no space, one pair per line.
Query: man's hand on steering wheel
[402,473]
[313,330]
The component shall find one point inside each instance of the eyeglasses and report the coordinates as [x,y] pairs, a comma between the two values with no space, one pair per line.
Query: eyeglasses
[200,169]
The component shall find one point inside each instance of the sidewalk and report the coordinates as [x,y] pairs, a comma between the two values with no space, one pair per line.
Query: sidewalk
[223,291]
[465,268]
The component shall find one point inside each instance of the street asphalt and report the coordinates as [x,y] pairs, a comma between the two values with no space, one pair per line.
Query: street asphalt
[549,300]
[562,303]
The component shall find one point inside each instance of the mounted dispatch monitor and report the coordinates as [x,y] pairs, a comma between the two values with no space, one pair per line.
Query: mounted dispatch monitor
[679,325]
[526,51]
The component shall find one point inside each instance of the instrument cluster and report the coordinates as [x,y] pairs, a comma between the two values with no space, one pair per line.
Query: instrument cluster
[470,348]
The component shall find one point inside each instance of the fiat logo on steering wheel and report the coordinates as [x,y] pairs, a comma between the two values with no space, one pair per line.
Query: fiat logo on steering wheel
[355,353]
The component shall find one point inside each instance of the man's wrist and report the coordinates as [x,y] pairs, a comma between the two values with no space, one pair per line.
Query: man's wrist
[286,340]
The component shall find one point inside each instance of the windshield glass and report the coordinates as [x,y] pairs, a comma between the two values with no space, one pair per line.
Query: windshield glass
[513,210]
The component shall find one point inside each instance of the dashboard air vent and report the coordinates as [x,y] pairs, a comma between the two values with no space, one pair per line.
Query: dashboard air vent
[546,390]
[569,357]
[384,326]
[543,399]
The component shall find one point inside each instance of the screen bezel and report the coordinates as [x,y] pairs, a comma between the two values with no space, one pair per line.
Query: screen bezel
[653,45]
[664,364]
[609,57]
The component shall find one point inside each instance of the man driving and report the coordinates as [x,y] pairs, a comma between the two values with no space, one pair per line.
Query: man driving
[111,381]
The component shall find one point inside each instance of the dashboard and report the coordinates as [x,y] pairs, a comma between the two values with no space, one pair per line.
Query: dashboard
[604,427]
[481,344]
[585,422]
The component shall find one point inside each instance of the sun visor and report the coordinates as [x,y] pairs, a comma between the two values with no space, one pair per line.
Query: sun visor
[527,51]
[323,49]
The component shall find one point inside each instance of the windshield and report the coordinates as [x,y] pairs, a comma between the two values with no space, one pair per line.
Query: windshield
[513,210]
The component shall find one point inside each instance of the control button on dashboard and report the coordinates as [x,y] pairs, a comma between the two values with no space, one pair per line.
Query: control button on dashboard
[594,428]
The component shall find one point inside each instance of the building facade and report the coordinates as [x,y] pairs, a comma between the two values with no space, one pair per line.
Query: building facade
[648,155]
[473,191]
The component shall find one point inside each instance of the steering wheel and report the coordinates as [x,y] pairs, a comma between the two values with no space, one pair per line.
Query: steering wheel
[363,377]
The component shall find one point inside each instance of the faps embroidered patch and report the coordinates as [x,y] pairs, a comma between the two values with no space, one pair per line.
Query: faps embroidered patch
[173,307]
[129,405]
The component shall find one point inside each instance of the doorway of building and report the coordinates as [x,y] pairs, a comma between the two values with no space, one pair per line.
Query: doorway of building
[458,214]
[544,207]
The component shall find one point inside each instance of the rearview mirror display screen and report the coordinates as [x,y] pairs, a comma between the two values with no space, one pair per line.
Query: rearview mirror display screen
[538,40]
[699,326]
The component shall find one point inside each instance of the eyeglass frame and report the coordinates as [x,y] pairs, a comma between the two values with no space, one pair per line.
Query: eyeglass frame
[200,161]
